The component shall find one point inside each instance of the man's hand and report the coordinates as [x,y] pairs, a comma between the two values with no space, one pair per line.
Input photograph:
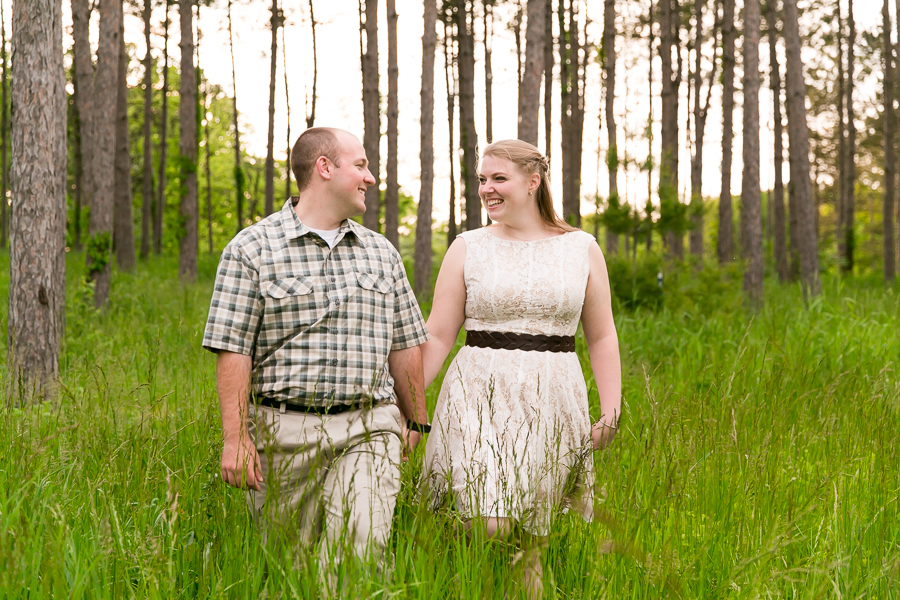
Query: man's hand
[410,439]
[240,465]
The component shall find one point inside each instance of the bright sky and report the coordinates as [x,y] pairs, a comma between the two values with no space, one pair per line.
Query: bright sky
[340,96]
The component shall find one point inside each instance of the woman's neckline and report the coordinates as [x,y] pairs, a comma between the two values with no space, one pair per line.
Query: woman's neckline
[487,231]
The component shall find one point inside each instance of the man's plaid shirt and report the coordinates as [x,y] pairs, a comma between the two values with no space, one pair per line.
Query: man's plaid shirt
[318,324]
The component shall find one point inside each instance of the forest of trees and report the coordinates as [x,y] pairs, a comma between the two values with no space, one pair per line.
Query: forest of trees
[125,172]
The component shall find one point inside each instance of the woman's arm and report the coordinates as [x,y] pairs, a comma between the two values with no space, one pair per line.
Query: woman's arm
[447,310]
[603,346]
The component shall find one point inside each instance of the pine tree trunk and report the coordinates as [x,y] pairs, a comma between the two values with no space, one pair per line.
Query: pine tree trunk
[287,107]
[572,71]
[488,71]
[800,187]
[725,244]
[160,207]
[888,131]
[451,83]
[548,77]
[392,187]
[123,223]
[4,143]
[848,207]
[274,24]
[841,165]
[79,167]
[147,183]
[751,208]
[239,175]
[423,254]
[311,116]
[103,155]
[371,108]
[669,24]
[530,98]
[187,148]
[518,18]
[83,68]
[778,224]
[38,192]
[468,137]
[701,111]
[609,67]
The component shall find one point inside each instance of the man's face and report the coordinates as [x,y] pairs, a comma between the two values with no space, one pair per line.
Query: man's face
[350,180]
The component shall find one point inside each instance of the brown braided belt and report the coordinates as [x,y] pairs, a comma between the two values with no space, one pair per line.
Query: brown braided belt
[500,340]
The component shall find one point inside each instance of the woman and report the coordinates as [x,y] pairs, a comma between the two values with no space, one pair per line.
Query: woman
[512,439]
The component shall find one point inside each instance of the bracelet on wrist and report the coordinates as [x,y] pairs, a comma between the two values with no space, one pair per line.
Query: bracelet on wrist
[420,427]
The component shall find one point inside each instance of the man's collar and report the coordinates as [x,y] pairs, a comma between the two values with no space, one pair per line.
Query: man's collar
[294,228]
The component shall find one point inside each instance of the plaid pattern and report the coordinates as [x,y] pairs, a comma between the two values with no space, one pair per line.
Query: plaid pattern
[319,325]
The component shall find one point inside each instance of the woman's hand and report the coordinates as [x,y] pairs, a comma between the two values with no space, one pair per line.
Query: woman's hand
[602,434]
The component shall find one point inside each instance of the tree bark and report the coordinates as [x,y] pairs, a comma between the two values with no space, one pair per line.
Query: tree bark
[4,142]
[423,255]
[572,61]
[187,148]
[800,187]
[147,183]
[612,157]
[123,223]
[848,206]
[468,137]
[240,178]
[160,207]
[311,116]
[888,131]
[451,83]
[670,25]
[38,192]
[549,61]
[274,24]
[488,71]
[701,111]
[392,187]
[530,97]
[79,167]
[287,105]
[778,223]
[725,244]
[84,102]
[103,154]
[368,14]
[518,18]
[751,208]
[840,198]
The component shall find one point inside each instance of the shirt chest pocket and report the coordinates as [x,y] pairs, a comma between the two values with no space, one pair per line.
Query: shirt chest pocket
[373,295]
[290,303]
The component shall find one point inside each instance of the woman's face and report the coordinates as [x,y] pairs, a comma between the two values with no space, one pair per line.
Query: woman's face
[504,188]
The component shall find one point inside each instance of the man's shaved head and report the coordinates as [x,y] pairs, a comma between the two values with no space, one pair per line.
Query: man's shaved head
[313,143]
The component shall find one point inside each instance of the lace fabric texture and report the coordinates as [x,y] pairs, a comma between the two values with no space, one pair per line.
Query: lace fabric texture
[511,431]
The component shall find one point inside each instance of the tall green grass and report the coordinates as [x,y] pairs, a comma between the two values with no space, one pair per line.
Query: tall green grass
[758,458]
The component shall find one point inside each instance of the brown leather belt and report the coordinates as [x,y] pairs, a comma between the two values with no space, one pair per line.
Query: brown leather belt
[501,340]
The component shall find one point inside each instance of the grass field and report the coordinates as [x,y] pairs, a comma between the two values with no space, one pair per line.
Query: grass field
[759,457]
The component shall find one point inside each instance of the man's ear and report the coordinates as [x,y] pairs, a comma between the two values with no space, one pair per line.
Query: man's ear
[324,167]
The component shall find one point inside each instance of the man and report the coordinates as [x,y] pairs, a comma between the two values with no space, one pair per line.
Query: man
[319,372]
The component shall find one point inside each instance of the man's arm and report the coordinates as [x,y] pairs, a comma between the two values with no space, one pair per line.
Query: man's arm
[240,461]
[409,385]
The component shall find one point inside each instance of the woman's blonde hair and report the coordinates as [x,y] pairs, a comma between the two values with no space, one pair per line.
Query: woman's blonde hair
[529,160]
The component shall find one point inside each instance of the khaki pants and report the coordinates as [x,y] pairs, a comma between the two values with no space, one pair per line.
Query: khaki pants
[332,479]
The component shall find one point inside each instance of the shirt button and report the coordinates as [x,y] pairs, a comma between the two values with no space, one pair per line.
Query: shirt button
[333,279]
[337,302]
[334,362]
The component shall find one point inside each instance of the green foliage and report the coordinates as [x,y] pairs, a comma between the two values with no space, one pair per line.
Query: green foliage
[98,250]
[757,459]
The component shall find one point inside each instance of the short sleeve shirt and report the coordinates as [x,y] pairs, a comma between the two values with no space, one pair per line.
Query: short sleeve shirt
[318,322]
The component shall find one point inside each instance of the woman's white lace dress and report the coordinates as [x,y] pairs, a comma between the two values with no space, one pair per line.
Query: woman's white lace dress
[511,430]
